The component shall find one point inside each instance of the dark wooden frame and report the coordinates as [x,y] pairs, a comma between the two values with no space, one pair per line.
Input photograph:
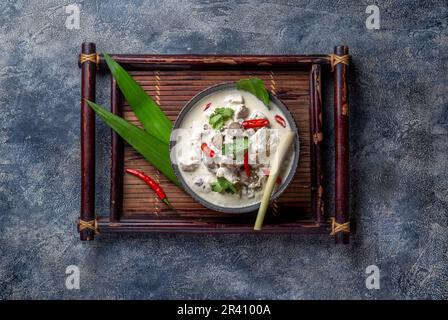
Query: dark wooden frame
[314,63]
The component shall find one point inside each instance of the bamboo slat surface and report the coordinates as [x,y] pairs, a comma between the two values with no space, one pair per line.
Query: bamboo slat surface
[172,89]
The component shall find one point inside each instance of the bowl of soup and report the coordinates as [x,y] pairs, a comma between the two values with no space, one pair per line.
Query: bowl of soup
[222,144]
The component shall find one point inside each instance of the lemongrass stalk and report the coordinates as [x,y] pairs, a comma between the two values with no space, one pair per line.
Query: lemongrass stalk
[282,149]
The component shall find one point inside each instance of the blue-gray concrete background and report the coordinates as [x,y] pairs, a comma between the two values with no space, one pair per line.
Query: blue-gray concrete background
[399,134]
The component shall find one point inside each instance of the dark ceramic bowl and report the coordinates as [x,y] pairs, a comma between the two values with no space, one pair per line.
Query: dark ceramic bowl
[289,118]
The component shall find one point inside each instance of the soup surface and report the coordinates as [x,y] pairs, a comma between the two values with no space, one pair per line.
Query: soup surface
[224,146]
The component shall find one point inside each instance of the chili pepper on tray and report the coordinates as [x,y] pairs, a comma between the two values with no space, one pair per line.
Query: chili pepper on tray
[246,163]
[206,149]
[255,123]
[280,120]
[153,185]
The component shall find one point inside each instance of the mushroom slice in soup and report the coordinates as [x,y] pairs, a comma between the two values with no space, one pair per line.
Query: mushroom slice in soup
[241,112]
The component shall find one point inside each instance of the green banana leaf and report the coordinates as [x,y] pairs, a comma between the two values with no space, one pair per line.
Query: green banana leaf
[151,148]
[256,87]
[147,111]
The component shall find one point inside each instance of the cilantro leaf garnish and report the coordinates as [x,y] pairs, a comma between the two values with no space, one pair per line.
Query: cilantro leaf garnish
[219,117]
[223,185]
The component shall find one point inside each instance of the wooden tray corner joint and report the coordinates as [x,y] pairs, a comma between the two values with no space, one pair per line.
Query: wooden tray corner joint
[172,80]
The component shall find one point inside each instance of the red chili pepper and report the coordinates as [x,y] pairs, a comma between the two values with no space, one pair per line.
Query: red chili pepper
[280,120]
[207,106]
[246,163]
[255,123]
[206,149]
[154,186]
[266,172]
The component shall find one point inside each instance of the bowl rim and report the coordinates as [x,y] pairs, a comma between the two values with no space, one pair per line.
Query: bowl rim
[236,210]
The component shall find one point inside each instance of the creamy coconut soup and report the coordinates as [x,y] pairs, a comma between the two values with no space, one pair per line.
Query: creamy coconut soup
[224,155]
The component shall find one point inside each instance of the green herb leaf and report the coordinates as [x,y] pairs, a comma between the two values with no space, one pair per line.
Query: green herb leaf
[226,113]
[223,185]
[147,111]
[219,117]
[219,124]
[215,119]
[256,87]
[231,188]
[151,148]
[216,187]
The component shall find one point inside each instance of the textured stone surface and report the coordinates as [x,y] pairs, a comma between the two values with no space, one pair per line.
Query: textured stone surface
[399,134]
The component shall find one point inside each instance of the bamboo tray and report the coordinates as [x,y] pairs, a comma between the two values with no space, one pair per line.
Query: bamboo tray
[172,80]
